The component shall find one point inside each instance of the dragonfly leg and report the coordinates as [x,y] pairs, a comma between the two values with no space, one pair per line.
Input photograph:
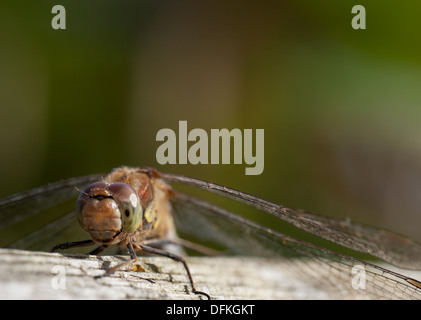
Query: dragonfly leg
[73,244]
[175,258]
[133,259]
[98,250]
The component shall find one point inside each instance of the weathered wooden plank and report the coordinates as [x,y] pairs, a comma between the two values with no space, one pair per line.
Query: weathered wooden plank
[41,275]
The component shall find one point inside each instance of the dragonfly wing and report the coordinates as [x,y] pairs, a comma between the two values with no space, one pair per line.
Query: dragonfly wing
[60,230]
[391,247]
[336,274]
[24,213]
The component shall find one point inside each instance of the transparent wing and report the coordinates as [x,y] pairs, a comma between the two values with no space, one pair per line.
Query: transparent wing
[388,246]
[28,215]
[62,229]
[330,272]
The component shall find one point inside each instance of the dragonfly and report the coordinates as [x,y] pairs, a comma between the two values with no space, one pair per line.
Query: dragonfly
[138,209]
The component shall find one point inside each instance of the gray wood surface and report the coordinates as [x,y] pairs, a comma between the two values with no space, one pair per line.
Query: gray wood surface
[41,275]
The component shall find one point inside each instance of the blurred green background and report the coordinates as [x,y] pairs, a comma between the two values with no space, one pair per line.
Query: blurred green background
[340,107]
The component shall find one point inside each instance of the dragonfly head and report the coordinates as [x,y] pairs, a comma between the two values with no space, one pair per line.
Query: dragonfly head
[106,210]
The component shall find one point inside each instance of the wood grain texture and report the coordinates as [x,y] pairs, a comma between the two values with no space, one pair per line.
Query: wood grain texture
[41,275]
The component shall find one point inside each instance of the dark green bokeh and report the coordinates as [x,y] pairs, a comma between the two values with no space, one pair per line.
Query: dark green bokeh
[340,107]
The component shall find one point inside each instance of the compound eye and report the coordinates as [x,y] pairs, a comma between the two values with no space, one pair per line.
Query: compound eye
[128,202]
[95,189]
[98,213]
